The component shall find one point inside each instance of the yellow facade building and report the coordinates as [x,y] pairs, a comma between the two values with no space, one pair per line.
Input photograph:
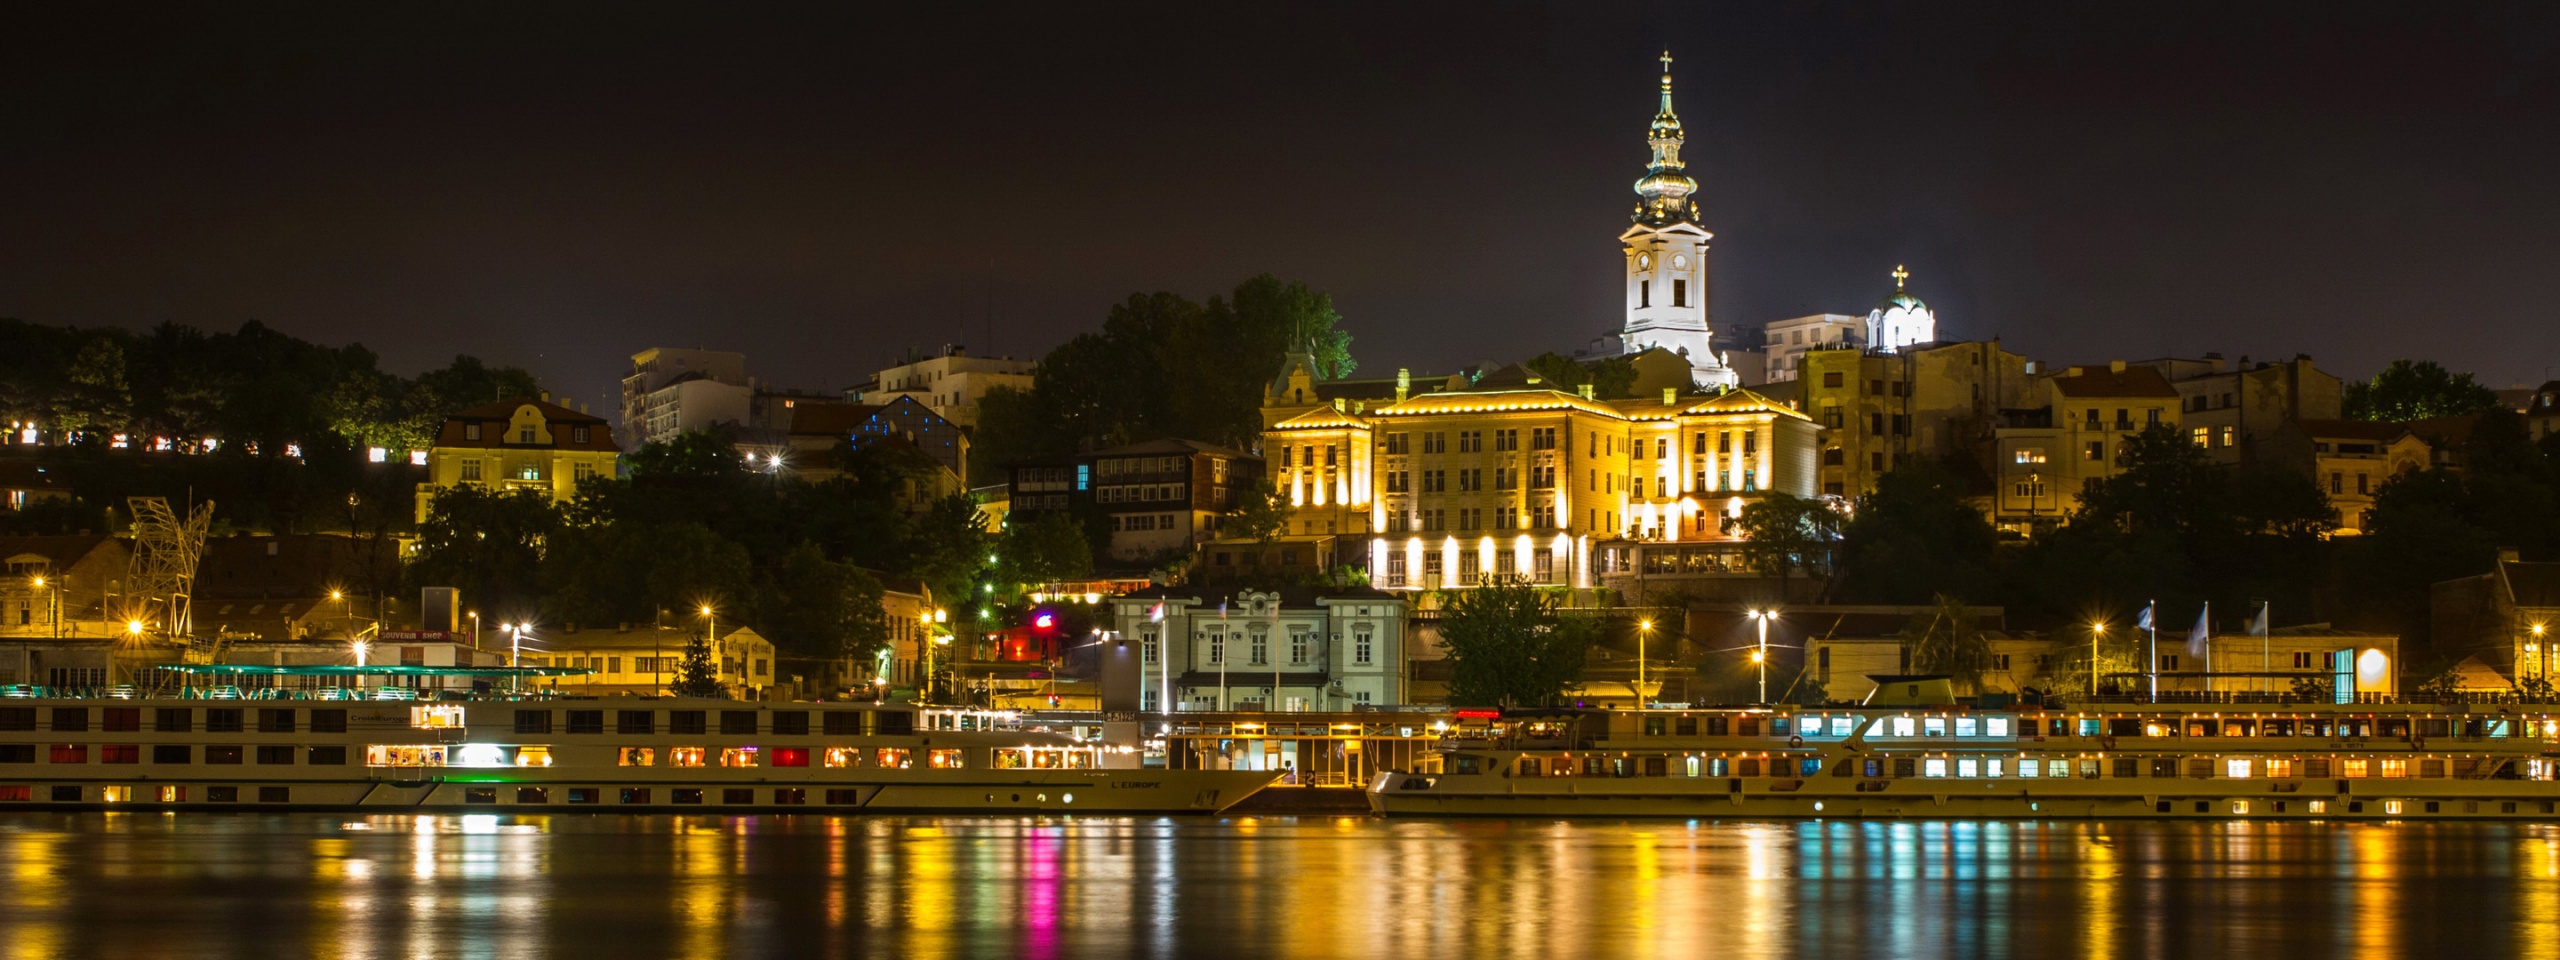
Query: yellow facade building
[522,444]
[2076,436]
[1505,477]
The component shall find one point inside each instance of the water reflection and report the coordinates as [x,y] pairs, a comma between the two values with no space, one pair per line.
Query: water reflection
[493,887]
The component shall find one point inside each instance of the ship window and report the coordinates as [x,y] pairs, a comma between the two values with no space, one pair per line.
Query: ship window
[1840,726]
[942,759]
[2279,769]
[737,795]
[76,753]
[791,756]
[479,794]
[122,719]
[842,757]
[165,720]
[639,757]
[738,722]
[635,794]
[442,717]
[2237,768]
[1968,767]
[329,721]
[1995,726]
[330,756]
[586,721]
[1691,767]
[2029,768]
[686,794]
[1994,767]
[791,723]
[738,756]
[2356,768]
[533,756]
[160,753]
[222,720]
[684,757]
[1968,727]
[1905,727]
[1933,726]
[893,758]
[533,721]
[583,794]
[1933,767]
[533,794]
[1656,766]
[635,721]
[2395,769]
[844,796]
[790,796]
[843,723]
[686,721]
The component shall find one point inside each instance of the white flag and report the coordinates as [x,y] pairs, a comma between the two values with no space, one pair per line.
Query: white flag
[2196,638]
[2258,624]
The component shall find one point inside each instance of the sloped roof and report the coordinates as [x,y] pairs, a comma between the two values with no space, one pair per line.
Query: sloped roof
[2374,430]
[830,419]
[1321,418]
[1171,445]
[2100,382]
[60,551]
[1744,401]
[2444,431]
[506,409]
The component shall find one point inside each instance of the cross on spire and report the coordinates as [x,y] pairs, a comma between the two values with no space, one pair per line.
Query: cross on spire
[1899,275]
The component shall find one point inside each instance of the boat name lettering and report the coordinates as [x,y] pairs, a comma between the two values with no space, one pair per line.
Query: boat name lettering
[1136,784]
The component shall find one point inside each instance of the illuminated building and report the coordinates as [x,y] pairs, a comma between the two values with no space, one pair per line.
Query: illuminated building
[2045,456]
[672,390]
[521,444]
[1666,257]
[950,384]
[1163,497]
[1785,342]
[1213,649]
[1504,476]
[2232,409]
[2348,460]
[1901,320]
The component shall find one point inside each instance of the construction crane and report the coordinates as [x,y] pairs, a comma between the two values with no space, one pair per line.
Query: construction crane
[162,576]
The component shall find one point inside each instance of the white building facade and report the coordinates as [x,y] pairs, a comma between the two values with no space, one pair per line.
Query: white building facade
[1293,650]
[1666,257]
[671,390]
[951,384]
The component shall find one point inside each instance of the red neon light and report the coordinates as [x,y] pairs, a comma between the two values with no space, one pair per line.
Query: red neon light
[1479,714]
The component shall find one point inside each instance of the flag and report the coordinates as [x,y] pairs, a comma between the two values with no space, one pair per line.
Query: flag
[2196,637]
[2258,624]
[2145,622]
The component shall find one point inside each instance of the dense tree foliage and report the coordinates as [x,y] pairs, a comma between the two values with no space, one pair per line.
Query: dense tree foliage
[1916,536]
[1611,378]
[2439,524]
[1510,645]
[290,421]
[1787,535]
[1161,366]
[691,527]
[2417,390]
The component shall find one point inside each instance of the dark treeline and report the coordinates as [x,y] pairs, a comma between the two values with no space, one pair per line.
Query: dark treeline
[1162,366]
[290,422]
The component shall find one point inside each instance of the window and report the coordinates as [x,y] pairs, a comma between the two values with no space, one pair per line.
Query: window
[1542,438]
[533,721]
[333,720]
[166,753]
[639,756]
[331,756]
[2204,436]
[685,756]
[223,754]
[2230,436]
[275,754]
[1261,648]
[2030,455]
[1396,444]
[71,719]
[1217,648]
[790,756]
[791,723]
[120,753]
[740,757]
[685,721]
[2097,451]
[1831,378]
[1360,646]
[643,722]
[738,722]
[586,721]
[1679,293]
[891,758]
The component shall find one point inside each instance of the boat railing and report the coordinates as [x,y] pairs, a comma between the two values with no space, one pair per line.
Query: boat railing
[2218,697]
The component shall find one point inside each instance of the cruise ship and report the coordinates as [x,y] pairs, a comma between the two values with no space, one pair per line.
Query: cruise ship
[1915,752]
[224,748]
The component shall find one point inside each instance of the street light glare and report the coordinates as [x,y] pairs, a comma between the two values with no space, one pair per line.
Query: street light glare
[1644,624]
[133,627]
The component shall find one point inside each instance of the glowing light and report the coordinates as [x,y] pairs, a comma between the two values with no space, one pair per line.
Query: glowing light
[133,627]
[1043,621]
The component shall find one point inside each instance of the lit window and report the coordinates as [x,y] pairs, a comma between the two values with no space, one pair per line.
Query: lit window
[842,757]
[2392,807]
[2395,769]
[684,756]
[1933,767]
[2060,768]
[1840,726]
[2318,806]
[2027,768]
[533,756]
[1906,727]
[944,759]
[1933,726]
[1968,727]
[893,758]
[1995,726]
[639,756]
[2279,769]
[1968,767]
[1995,767]
[2356,768]
[2236,768]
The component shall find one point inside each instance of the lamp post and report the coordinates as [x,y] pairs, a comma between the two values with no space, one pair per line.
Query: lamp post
[1760,654]
[2097,628]
[711,638]
[515,656]
[2545,648]
[928,619]
[1643,628]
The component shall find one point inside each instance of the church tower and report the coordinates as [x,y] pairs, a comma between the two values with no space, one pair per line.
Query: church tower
[1666,251]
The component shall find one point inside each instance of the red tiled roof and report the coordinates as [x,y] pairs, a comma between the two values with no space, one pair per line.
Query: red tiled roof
[494,418]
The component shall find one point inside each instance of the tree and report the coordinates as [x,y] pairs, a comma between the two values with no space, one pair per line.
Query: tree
[1611,378]
[1947,640]
[817,609]
[1916,536]
[99,398]
[1784,533]
[1260,513]
[490,545]
[2417,390]
[697,674]
[1509,645]
[1047,549]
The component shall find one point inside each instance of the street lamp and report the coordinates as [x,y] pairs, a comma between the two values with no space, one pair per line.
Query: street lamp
[711,637]
[2538,630]
[1643,627]
[2097,628]
[1760,654]
[925,620]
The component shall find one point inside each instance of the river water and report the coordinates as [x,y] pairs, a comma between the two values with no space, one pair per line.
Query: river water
[247,885]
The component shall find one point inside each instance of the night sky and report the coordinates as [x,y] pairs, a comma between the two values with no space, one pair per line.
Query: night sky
[557,186]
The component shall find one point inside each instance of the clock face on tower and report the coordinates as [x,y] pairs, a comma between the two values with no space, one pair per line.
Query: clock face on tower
[1680,262]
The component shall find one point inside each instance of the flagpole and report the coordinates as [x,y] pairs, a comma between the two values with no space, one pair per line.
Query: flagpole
[2266,648]
[1223,651]
[2207,617]
[2151,614]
